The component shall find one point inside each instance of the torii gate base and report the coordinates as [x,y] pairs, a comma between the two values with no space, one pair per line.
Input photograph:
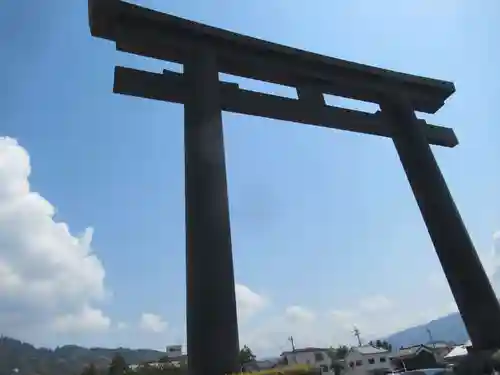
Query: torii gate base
[212,330]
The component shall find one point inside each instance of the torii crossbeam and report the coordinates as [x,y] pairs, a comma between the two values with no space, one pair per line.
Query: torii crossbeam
[212,331]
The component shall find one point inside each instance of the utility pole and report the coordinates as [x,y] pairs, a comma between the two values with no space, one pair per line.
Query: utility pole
[431,340]
[291,341]
[357,333]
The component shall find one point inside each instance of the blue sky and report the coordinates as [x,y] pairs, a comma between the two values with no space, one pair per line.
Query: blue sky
[326,233]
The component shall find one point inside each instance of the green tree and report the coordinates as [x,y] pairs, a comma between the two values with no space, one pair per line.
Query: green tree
[385,345]
[246,355]
[118,366]
[342,351]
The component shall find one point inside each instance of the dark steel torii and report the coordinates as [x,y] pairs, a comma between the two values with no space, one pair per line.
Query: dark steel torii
[212,331]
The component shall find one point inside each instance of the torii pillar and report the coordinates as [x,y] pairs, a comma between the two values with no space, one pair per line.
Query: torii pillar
[211,302]
[461,265]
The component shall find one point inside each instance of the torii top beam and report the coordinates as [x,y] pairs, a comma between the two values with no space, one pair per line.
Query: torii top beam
[149,33]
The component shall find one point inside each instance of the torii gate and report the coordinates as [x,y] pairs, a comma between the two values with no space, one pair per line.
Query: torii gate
[212,331]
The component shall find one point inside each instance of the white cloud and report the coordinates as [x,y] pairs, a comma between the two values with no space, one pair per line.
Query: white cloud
[248,302]
[376,316]
[152,323]
[319,328]
[376,303]
[121,325]
[299,314]
[344,319]
[49,278]
[87,320]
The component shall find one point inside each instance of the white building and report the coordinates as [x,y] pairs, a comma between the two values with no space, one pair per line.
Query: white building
[175,359]
[366,359]
[458,353]
[440,349]
[175,355]
[174,351]
[314,357]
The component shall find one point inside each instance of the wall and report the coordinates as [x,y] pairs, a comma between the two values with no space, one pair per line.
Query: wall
[354,356]
[309,358]
[174,351]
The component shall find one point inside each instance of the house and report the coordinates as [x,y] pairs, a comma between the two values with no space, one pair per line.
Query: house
[315,357]
[263,364]
[151,365]
[440,349]
[458,353]
[414,357]
[174,358]
[367,359]
[174,351]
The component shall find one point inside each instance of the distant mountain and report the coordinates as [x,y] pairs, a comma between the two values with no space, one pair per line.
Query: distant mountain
[64,360]
[447,328]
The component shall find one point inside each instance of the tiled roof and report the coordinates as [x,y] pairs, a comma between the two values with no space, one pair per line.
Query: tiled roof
[412,350]
[406,352]
[440,344]
[368,349]
[306,350]
[262,364]
[458,351]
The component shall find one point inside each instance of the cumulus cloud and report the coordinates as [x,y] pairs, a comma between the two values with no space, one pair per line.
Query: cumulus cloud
[152,323]
[49,278]
[248,302]
[376,303]
[121,325]
[87,320]
[320,328]
[299,314]
[376,316]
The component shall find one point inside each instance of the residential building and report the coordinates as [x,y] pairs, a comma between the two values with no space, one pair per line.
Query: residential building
[174,358]
[458,353]
[367,359]
[440,349]
[175,355]
[174,351]
[414,357]
[315,357]
[262,364]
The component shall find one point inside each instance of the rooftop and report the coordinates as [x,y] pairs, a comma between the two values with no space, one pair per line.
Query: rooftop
[412,350]
[305,350]
[369,349]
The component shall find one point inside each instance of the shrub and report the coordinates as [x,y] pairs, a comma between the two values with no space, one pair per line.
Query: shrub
[287,370]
